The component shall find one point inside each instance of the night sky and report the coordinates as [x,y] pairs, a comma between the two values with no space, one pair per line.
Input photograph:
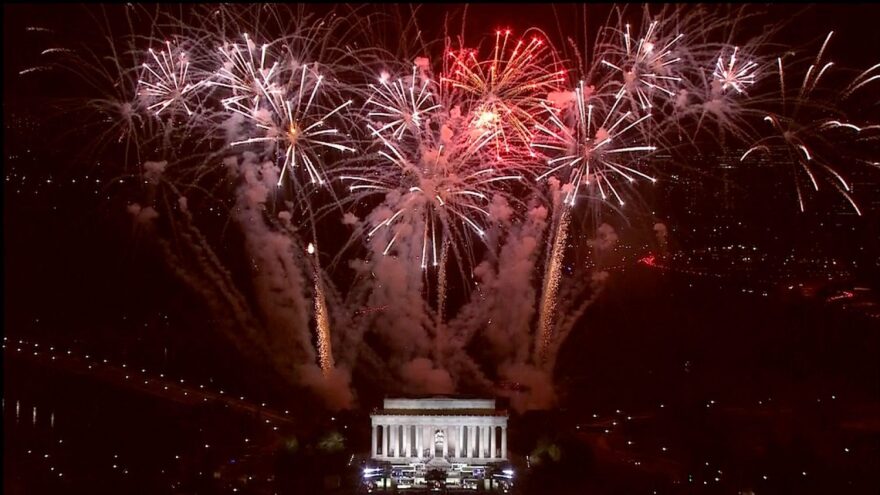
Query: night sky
[729,333]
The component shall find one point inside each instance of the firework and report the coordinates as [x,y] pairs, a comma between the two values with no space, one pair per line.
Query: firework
[434,177]
[506,89]
[322,321]
[806,138]
[647,67]
[401,105]
[736,74]
[547,314]
[861,80]
[288,117]
[598,148]
[169,82]
[431,168]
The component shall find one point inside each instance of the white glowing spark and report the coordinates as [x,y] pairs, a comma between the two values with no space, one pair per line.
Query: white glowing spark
[296,124]
[645,69]
[169,82]
[401,105]
[588,147]
[736,73]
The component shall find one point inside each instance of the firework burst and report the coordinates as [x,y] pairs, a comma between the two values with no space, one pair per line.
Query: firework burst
[289,117]
[168,83]
[402,105]
[804,136]
[647,68]
[505,90]
[593,147]
[434,179]
[431,168]
[737,74]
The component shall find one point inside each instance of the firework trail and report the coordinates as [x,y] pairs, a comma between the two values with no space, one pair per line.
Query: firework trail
[862,80]
[322,321]
[549,294]
[442,285]
[579,148]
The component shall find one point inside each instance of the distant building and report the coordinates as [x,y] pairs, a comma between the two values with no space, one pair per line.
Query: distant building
[447,440]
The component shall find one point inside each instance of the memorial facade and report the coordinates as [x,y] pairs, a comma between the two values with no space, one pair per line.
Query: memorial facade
[459,431]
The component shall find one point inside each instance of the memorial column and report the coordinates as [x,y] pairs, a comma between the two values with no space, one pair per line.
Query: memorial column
[492,433]
[426,430]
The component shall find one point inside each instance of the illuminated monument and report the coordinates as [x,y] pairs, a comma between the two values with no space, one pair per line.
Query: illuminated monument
[448,440]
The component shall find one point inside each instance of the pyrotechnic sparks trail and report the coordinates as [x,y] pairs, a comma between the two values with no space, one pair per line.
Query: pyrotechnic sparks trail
[801,132]
[442,284]
[549,294]
[863,79]
[322,321]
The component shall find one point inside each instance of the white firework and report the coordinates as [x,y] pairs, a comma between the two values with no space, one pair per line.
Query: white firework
[168,83]
[597,148]
[295,122]
[434,180]
[646,67]
[736,74]
[401,105]
[245,74]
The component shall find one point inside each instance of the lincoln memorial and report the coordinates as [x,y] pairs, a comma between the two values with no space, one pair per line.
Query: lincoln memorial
[469,431]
